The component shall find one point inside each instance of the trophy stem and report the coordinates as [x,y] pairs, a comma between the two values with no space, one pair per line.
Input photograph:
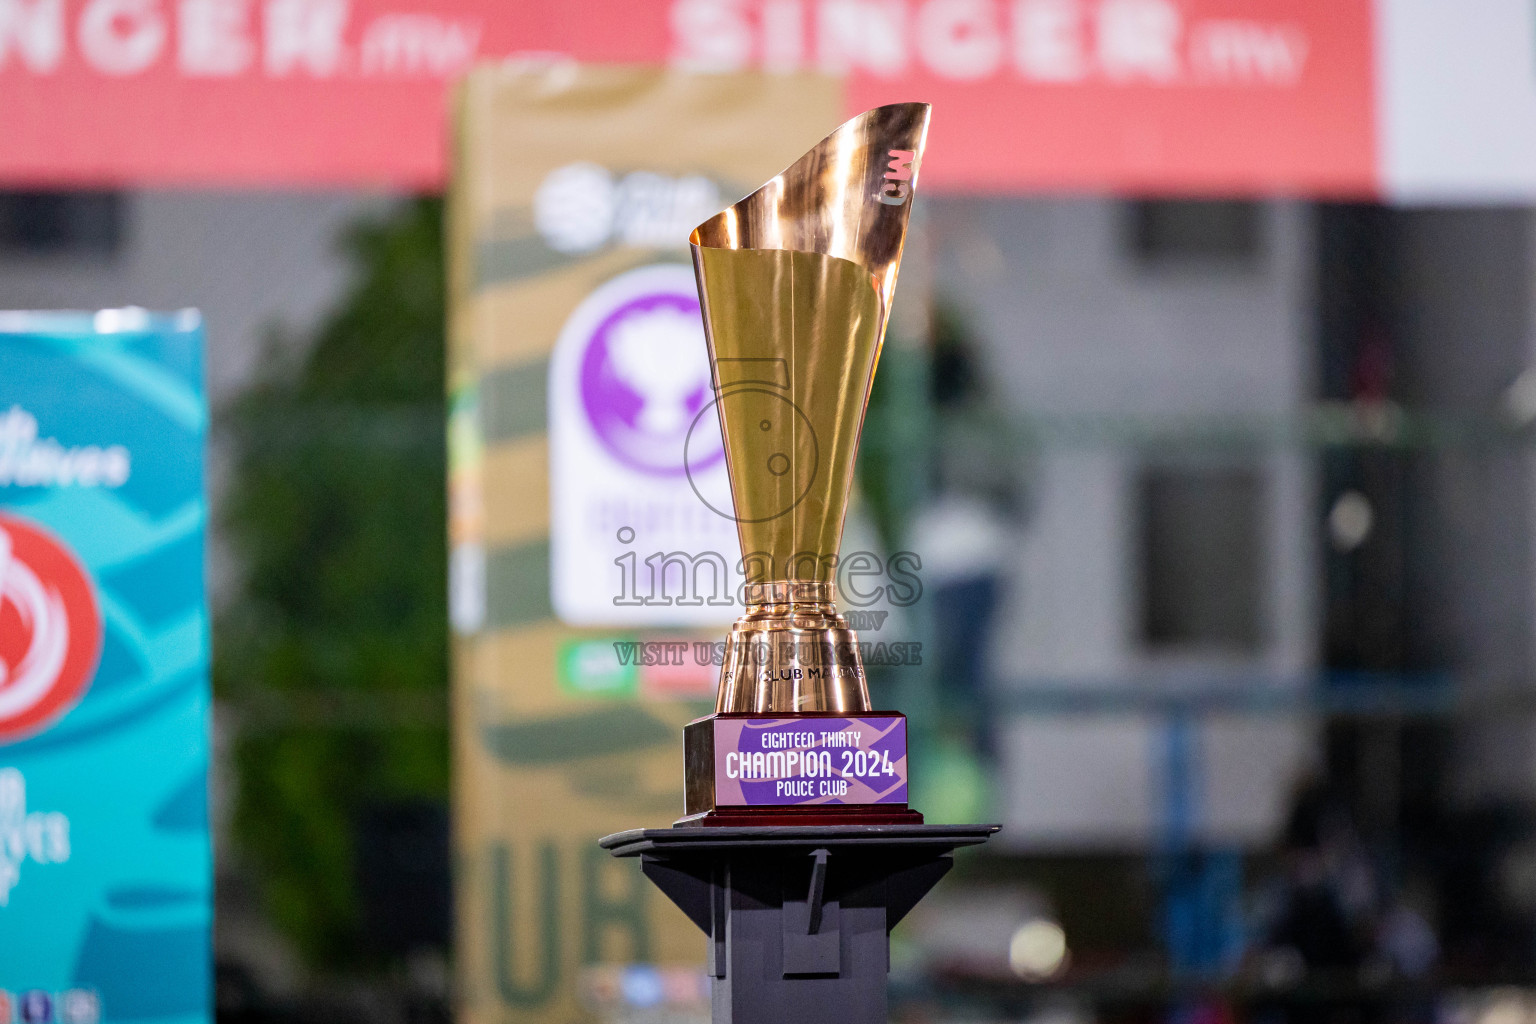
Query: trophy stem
[792,653]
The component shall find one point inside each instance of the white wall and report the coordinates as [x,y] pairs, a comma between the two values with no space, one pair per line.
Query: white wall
[251,261]
[1073,328]
[255,263]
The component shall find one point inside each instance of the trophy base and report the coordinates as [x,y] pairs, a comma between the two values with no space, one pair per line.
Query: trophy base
[779,817]
[797,919]
[811,768]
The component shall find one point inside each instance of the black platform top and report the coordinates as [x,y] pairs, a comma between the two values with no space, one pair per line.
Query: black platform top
[702,838]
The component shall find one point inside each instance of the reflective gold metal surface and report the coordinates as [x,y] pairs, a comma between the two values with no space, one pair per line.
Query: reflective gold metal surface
[796,282]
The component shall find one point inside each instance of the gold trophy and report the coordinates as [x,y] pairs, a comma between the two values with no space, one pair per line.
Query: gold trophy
[796,282]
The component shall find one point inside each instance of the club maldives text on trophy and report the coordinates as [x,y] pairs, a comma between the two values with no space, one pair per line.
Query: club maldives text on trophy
[796,282]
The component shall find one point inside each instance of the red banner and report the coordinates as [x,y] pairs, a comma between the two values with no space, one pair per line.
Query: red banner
[1160,95]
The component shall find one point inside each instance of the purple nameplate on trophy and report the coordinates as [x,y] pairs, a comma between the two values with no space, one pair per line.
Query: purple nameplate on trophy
[791,762]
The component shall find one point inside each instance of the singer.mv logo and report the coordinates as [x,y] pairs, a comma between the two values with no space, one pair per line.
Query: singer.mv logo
[898,180]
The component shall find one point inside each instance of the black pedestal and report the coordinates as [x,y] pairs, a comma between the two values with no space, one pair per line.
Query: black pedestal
[798,918]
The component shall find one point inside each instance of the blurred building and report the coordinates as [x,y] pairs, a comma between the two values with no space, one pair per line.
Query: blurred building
[1189,530]
[262,267]
[1148,565]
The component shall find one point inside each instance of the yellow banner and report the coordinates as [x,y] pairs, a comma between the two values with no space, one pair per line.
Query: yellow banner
[576,400]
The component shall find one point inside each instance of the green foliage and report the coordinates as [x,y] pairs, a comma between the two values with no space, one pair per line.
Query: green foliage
[917,386]
[895,444]
[333,653]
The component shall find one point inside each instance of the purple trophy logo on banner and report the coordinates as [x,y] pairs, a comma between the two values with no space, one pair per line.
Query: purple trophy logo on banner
[644,379]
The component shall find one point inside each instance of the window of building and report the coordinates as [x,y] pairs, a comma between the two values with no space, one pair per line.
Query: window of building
[60,223]
[1211,233]
[1201,552]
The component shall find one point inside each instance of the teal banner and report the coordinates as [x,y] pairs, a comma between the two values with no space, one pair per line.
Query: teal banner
[105,863]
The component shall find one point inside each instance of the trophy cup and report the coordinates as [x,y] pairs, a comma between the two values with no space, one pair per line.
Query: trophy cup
[817,856]
[796,282]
